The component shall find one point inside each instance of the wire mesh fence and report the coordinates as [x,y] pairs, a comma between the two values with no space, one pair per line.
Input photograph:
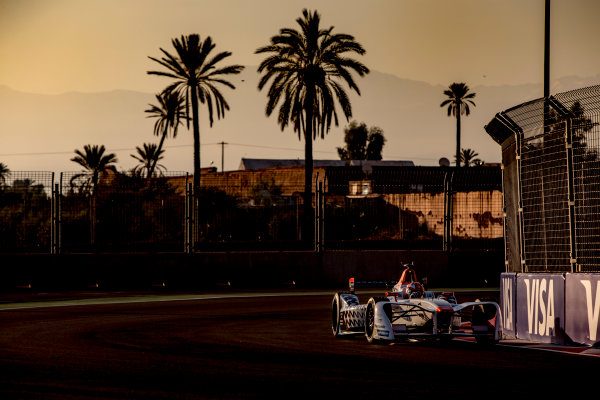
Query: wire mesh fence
[385,207]
[120,212]
[25,211]
[552,184]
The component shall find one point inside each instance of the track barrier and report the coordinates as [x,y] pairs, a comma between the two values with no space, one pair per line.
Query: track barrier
[551,308]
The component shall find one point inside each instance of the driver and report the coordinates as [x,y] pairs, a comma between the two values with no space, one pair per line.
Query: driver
[415,290]
[408,275]
[408,283]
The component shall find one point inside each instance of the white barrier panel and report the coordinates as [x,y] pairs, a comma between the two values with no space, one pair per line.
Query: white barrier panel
[540,307]
[582,308]
[508,303]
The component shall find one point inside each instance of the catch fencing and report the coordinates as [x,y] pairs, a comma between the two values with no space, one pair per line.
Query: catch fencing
[377,208]
[551,157]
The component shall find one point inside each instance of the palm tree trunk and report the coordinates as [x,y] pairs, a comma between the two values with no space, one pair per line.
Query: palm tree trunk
[197,182]
[458,135]
[196,126]
[308,230]
[155,161]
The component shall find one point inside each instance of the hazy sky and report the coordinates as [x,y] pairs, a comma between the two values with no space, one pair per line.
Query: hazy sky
[58,46]
[53,46]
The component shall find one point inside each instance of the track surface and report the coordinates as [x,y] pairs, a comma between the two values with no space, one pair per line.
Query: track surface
[253,347]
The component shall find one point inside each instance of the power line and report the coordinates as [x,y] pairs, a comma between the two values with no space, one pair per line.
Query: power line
[44,153]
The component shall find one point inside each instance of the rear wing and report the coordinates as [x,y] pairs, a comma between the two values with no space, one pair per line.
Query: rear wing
[353,284]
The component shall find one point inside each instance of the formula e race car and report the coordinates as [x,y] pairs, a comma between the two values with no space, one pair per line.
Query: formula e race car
[408,311]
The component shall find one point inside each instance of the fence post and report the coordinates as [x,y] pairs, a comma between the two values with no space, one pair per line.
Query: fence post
[571,187]
[56,220]
[319,229]
[188,218]
[520,216]
[448,210]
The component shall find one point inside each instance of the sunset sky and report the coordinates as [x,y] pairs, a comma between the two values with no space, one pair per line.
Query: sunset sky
[58,46]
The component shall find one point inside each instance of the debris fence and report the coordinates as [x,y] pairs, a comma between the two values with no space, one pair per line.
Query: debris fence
[382,208]
[551,158]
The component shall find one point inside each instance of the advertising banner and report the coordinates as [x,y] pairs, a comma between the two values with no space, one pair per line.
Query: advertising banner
[508,303]
[583,308]
[541,307]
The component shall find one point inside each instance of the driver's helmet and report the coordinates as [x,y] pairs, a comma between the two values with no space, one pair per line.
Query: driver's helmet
[415,289]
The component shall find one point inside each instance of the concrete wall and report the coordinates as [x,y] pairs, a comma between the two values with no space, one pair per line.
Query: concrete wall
[330,269]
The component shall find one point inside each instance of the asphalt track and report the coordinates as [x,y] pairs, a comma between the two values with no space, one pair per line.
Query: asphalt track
[251,346]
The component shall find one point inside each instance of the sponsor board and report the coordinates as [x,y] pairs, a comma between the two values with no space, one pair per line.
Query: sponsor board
[508,303]
[583,308]
[540,307]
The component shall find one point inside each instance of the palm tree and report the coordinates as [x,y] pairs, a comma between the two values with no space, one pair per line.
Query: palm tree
[168,113]
[306,69]
[458,102]
[4,173]
[148,158]
[468,158]
[197,78]
[94,160]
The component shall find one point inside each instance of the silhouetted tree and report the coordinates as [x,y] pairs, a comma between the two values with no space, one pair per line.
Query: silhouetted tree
[148,158]
[458,102]
[4,173]
[362,143]
[306,69]
[24,217]
[468,158]
[197,77]
[266,193]
[95,162]
[169,114]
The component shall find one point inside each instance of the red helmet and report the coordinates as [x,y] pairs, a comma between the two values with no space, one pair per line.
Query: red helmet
[415,289]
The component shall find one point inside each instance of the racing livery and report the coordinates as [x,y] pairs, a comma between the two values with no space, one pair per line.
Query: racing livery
[408,311]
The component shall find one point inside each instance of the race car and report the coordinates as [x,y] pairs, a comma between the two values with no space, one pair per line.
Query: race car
[408,311]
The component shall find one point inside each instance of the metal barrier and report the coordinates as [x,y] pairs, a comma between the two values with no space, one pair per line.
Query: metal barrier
[551,158]
[385,207]
[25,212]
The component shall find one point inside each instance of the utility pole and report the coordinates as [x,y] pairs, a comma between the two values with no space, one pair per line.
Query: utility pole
[547,50]
[223,155]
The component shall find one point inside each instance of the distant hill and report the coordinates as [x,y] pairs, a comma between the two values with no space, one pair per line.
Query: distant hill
[409,112]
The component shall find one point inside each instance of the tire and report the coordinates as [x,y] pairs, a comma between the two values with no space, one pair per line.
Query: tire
[370,318]
[335,315]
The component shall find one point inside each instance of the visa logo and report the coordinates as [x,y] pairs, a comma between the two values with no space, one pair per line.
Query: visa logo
[540,306]
[507,303]
[593,307]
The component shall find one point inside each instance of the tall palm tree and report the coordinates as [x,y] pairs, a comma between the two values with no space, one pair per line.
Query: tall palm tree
[4,173]
[148,158]
[306,69]
[197,78]
[458,102]
[169,114]
[468,158]
[95,162]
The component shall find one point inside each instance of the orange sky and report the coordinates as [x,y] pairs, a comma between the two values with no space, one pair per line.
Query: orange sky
[53,46]
[58,46]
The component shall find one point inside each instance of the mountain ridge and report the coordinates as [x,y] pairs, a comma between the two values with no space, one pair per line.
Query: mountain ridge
[408,111]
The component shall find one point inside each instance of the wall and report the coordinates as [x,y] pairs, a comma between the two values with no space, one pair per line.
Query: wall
[330,269]
[551,308]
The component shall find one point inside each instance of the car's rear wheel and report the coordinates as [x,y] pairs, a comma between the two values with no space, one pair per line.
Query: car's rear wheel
[335,315]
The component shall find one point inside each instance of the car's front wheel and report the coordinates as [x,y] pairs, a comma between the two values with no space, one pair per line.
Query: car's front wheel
[370,320]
